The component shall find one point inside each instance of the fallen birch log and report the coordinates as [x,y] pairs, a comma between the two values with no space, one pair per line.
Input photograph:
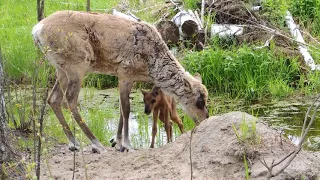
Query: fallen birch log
[168,31]
[224,30]
[294,30]
[126,16]
[187,23]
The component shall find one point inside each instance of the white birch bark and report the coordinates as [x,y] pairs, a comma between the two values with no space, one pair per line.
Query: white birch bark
[294,30]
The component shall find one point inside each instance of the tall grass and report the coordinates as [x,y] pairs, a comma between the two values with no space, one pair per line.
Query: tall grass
[308,13]
[16,22]
[243,72]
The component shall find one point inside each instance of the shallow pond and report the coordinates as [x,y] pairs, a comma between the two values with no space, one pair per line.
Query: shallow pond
[288,117]
[285,116]
[100,110]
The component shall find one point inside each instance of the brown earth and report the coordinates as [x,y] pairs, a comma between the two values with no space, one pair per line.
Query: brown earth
[215,151]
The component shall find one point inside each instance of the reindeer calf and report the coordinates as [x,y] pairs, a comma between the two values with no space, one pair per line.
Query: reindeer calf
[162,106]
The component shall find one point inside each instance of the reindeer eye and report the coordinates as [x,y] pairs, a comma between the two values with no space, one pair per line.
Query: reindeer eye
[200,102]
[153,101]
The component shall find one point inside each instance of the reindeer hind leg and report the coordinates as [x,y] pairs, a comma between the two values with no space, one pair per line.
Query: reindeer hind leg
[54,100]
[72,93]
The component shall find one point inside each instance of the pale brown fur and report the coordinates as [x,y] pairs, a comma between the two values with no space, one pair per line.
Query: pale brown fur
[79,42]
[162,107]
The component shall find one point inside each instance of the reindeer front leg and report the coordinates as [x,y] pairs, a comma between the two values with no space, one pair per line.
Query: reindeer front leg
[154,127]
[125,89]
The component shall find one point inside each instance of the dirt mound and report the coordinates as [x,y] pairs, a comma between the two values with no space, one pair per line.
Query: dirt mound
[215,153]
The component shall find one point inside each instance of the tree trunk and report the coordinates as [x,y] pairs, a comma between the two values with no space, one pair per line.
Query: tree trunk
[88,5]
[5,150]
[40,9]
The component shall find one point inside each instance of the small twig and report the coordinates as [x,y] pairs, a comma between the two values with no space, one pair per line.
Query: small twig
[266,44]
[263,27]
[144,9]
[249,11]
[292,154]
[74,152]
[313,38]
[206,27]
[202,12]
[33,113]
[283,159]
[176,5]
[42,112]
[307,114]
[200,22]
[281,144]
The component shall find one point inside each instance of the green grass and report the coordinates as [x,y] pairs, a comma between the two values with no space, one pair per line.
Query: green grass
[247,73]
[17,20]
[308,14]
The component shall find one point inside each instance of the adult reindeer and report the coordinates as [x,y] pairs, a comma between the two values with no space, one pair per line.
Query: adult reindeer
[76,43]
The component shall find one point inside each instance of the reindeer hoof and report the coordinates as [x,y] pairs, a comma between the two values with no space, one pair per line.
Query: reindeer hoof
[113,142]
[97,149]
[74,146]
[122,149]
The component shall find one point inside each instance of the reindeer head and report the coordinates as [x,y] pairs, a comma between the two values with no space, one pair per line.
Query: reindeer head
[194,100]
[150,99]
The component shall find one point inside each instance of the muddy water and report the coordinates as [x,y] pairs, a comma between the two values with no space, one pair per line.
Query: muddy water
[285,116]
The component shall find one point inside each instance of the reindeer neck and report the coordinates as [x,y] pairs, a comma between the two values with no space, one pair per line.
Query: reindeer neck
[167,73]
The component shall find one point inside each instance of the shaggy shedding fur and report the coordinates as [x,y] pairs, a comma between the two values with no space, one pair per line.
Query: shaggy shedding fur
[79,42]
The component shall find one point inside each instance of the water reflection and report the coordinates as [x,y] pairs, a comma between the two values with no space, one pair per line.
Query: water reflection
[289,117]
[283,116]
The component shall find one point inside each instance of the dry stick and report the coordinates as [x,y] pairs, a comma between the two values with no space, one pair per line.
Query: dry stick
[34,106]
[176,5]
[74,151]
[293,154]
[306,116]
[88,5]
[202,12]
[262,27]
[307,33]
[84,161]
[249,11]
[42,112]
[266,44]
[206,27]
[11,109]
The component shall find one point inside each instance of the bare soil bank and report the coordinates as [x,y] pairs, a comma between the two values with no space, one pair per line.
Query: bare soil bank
[215,152]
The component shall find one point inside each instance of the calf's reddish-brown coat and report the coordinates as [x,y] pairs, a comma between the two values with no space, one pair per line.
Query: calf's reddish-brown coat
[162,107]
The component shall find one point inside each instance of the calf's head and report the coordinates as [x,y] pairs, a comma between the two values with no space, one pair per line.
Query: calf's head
[151,99]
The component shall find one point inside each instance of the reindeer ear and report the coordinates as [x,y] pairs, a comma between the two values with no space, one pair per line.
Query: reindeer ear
[198,77]
[155,90]
[187,84]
